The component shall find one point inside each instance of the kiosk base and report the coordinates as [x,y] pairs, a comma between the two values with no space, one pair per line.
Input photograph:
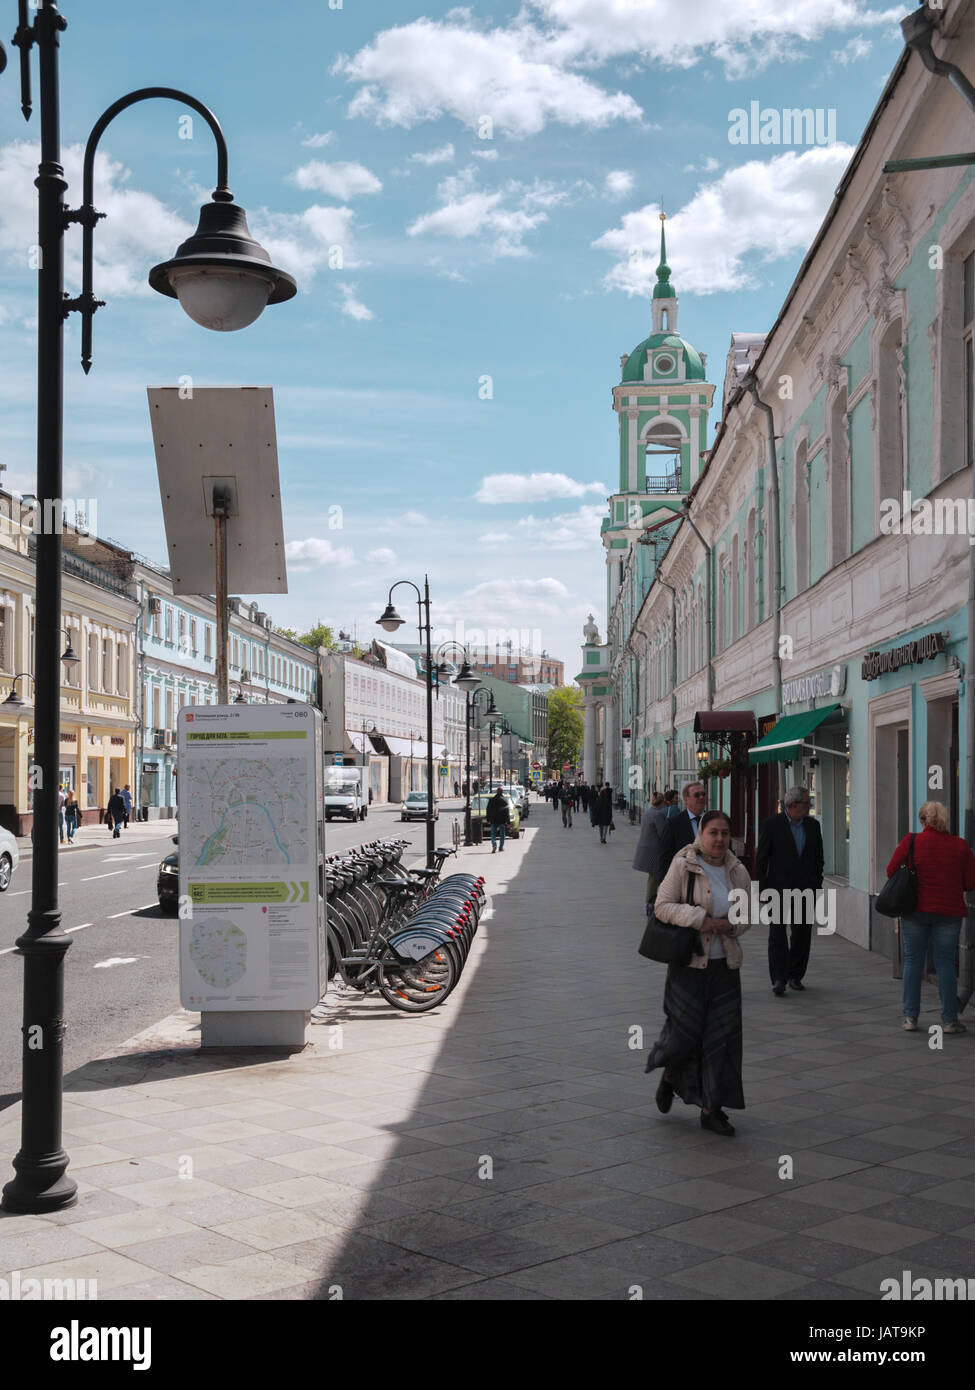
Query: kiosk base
[266,1028]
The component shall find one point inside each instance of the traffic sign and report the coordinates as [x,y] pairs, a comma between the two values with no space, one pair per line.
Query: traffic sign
[536,766]
[444,770]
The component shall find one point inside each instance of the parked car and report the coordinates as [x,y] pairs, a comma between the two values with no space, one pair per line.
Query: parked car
[415,807]
[167,880]
[9,859]
[479,811]
[520,797]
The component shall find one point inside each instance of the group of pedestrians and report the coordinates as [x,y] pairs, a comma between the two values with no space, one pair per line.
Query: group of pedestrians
[691,873]
[69,813]
[594,801]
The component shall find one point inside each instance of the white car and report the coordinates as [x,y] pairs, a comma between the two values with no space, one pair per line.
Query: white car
[9,859]
[415,807]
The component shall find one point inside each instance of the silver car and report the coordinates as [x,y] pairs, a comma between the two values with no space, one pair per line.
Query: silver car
[9,859]
[415,807]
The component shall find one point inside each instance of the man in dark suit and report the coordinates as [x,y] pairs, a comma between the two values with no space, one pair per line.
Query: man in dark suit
[790,856]
[681,830]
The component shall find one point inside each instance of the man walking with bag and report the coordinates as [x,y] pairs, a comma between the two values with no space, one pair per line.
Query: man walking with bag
[790,857]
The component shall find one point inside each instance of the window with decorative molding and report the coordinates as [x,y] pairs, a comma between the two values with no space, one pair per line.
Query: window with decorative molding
[801,518]
[889,410]
[839,478]
[968,333]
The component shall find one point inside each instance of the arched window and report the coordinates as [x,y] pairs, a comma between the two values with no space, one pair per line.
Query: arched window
[801,518]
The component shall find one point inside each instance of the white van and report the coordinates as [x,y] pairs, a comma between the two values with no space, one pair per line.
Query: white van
[343,793]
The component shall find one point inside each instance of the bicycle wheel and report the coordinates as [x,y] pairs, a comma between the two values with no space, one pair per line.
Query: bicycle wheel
[416,986]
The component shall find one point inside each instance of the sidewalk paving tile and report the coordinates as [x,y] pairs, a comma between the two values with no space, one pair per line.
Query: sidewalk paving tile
[361,1171]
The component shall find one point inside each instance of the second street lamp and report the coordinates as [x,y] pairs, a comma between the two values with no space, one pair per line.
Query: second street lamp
[390,622]
[467,680]
[247,277]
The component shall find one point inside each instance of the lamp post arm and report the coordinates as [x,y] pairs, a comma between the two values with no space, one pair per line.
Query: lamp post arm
[86,303]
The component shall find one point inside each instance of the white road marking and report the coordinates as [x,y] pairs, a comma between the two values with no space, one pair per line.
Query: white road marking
[129,910]
[115,858]
[117,960]
[112,874]
[81,926]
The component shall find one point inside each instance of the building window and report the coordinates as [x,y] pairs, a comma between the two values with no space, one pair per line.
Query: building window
[107,665]
[839,479]
[890,411]
[93,682]
[5,640]
[169,624]
[801,519]
[207,641]
[155,708]
[182,631]
[968,331]
[169,711]
[193,635]
[121,669]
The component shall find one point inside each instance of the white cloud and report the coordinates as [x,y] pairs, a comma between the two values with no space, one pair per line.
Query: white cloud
[504,217]
[485,154]
[382,556]
[302,242]
[619,183]
[746,36]
[138,229]
[765,209]
[316,142]
[443,154]
[566,531]
[710,166]
[426,70]
[532,487]
[534,70]
[352,307]
[857,48]
[497,601]
[343,180]
[313,554]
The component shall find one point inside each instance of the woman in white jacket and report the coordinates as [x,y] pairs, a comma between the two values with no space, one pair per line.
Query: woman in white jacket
[700,1047]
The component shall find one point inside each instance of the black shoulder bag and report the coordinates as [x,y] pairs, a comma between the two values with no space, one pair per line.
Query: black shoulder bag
[898,897]
[666,943]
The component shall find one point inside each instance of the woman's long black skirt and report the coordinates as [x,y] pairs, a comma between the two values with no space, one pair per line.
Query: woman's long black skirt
[700,1046]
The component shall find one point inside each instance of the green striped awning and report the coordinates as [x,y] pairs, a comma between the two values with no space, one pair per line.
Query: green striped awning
[782,743]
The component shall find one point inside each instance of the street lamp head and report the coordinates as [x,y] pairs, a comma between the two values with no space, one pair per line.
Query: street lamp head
[390,620]
[241,701]
[492,714]
[466,678]
[221,276]
[13,700]
[70,658]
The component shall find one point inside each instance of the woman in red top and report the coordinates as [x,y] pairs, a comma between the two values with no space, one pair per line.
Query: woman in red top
[945,871]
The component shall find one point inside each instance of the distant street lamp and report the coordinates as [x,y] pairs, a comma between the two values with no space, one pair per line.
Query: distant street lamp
[491,714]
[467,680]
[390,622]
[223,279]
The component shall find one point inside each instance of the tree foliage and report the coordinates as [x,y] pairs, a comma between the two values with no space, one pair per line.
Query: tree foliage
[318,636]
[565,725]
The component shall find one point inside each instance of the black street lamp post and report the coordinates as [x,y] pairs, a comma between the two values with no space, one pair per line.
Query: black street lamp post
[223,280]
[390,622]
[468,682]
[491,715]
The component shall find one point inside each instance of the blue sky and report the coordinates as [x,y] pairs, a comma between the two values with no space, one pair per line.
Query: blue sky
[518,248]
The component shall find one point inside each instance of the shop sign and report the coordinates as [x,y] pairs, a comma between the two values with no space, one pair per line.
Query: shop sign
[150,767]
[924,648]
[117,742]
[830,681]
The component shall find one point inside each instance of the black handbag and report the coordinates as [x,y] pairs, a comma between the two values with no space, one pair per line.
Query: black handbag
[666,943]
[898,897]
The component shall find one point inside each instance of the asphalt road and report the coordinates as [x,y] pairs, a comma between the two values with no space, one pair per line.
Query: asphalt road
[122,969]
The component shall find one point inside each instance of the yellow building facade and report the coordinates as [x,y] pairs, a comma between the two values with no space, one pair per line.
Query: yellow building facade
[98,715]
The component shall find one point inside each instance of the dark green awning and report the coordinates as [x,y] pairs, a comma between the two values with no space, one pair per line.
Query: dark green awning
[782,743]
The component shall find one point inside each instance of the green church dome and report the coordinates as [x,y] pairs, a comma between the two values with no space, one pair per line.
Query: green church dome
[637,360]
